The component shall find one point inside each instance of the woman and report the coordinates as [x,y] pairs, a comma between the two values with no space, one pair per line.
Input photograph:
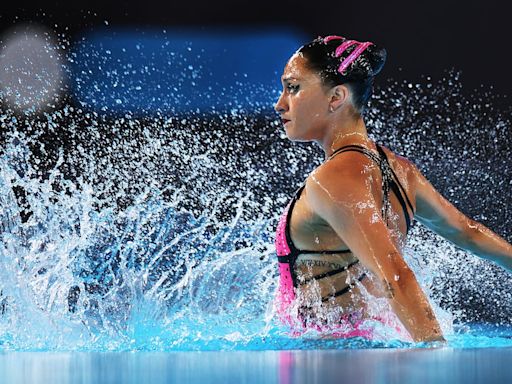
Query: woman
[340,240]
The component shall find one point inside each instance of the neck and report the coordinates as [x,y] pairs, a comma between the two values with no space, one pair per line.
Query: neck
[344,132]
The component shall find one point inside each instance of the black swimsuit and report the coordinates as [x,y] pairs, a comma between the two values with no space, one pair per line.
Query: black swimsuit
[389,182]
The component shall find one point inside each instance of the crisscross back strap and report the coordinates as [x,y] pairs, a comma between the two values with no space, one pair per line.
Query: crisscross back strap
[389,179]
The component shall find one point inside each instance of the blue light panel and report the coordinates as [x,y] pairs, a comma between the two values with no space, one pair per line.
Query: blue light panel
[180,71]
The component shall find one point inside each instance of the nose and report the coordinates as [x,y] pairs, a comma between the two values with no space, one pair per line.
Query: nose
[280,106]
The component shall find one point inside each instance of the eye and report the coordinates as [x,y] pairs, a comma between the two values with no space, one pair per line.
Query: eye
[292,88]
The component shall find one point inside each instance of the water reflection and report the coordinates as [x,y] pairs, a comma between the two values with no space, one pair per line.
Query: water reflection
[284,367]
[443,365]
[150,368]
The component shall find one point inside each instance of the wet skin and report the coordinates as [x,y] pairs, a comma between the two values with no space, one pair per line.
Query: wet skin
[310,231]
[340,207]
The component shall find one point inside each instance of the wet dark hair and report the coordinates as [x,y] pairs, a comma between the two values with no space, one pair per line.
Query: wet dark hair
[359,75]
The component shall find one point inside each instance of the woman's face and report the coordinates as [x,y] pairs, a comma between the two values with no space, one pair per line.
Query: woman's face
[304,101]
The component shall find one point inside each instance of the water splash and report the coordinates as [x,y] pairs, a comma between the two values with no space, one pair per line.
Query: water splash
[156,233]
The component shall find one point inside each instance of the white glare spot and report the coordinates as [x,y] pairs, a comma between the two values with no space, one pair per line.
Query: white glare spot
[30,70]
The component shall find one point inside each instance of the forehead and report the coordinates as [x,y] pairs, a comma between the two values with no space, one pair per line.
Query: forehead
[296,68]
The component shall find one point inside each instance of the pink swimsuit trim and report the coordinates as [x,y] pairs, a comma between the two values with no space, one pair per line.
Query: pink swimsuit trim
[286,289]
[286,295]
[347,327]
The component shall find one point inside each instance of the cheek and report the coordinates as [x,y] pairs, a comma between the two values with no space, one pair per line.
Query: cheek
[303,107]
[312,103]
[311,112]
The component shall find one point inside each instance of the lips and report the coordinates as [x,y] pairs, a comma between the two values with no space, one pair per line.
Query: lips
[284,121]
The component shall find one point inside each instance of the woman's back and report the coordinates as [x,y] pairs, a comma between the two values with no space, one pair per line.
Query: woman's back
[330,278]
[310,231]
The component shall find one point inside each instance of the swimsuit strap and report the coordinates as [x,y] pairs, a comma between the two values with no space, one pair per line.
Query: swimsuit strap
[398,189]
[386,175]
[329,273]
[402,189]
[389,180]
[344,290]
[294,251]
[356,148]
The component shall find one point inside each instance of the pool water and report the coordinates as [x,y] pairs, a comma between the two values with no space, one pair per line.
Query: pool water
[445,365]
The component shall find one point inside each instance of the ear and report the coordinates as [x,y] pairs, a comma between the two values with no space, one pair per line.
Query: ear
[340,94]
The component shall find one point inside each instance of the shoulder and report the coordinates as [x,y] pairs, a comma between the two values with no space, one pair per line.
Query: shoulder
[399,160]
[345,179]
[406,170]
[351,164]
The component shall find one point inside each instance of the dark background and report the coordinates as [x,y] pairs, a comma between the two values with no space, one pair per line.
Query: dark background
[422,38]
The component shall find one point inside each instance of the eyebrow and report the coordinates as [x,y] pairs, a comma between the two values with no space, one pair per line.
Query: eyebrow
[288,78]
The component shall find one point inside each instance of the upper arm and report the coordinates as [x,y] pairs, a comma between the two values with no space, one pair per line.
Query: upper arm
[349,207]
[438,214]
[344,199]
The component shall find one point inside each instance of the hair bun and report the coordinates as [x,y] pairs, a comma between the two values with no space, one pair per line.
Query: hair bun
[339,60]
[377,58]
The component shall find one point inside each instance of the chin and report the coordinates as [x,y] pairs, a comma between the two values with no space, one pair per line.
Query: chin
[293,136]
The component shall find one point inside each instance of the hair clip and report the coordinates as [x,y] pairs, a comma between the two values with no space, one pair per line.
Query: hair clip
[332,37]
[361,47]
[353,56]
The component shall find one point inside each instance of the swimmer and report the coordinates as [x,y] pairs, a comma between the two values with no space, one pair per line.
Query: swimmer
[341,238]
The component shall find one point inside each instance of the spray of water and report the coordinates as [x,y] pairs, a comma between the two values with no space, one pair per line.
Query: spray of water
[156,233]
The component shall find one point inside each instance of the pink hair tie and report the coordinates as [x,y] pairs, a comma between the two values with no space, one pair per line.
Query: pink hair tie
[343,47]
[332,37]
[361,47]
[353,56]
